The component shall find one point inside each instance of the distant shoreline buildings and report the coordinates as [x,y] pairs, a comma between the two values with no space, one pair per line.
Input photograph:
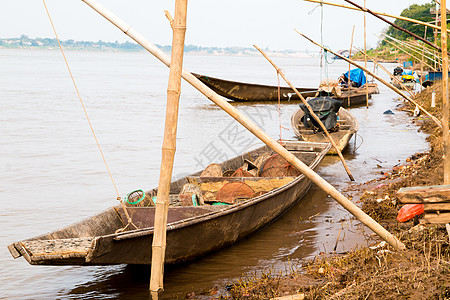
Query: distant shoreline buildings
[25,42]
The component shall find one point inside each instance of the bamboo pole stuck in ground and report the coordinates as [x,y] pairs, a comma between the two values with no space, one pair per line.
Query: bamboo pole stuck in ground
[378,78]
[250,126]
[422,62]
[378,13]
[169,145]
[445,106]
[349,67]
[311,112]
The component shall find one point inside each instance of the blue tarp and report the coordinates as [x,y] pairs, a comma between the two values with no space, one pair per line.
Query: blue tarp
[357,76]
[407,72]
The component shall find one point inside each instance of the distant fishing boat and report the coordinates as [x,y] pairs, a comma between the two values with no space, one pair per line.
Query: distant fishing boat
[404,79]
[208,212]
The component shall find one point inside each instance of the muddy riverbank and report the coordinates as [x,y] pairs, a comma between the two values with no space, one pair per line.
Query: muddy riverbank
[378,272]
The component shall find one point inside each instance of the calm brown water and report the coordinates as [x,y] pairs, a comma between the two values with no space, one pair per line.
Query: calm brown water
[52,173]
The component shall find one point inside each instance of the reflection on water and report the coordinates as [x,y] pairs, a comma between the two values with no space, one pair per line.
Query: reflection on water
[52,175]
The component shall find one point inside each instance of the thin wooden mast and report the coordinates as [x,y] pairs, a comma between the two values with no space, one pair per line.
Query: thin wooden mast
[169,145]
[349,84]
[365,58]
[250,126]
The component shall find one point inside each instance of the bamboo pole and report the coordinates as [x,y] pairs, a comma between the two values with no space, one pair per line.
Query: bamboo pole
[349,67]
[387,72]
[392,24]
[420,49]
[365,57]
[436,23]
[169,145]
[249,125]
[378,78]
[403,50]
[418,52]
[378,13]
[311,112]
[445,106]
[422,62]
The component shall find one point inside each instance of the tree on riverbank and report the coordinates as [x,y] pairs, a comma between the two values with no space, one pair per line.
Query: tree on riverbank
[418,12]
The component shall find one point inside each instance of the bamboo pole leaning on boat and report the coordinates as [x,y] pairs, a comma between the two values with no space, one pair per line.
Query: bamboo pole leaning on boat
[252,127]
[311,112]
[169,145]
[445,106]
[378,78]
[378,13]
[389,73]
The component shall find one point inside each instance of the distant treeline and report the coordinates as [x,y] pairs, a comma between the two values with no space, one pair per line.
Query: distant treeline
[25,42]
[45,43]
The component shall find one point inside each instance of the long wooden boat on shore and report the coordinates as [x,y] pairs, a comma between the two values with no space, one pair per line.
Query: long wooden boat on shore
[250,92]
[194,227]
[347,126]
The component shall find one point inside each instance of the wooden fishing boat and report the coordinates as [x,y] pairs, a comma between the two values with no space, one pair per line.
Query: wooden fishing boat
[405,85]
[192,231]
[250,92]
[347,124]
[356,96]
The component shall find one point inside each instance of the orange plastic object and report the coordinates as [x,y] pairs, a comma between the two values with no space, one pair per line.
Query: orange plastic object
[409,211]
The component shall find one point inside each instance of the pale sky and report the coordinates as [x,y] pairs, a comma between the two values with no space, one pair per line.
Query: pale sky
[210,23]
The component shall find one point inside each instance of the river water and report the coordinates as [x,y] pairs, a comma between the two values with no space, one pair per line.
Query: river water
[51,172]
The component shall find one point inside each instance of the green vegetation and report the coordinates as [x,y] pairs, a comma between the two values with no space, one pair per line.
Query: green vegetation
[388,52]
[418,12]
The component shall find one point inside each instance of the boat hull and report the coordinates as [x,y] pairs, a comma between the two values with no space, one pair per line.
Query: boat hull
[192,231]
